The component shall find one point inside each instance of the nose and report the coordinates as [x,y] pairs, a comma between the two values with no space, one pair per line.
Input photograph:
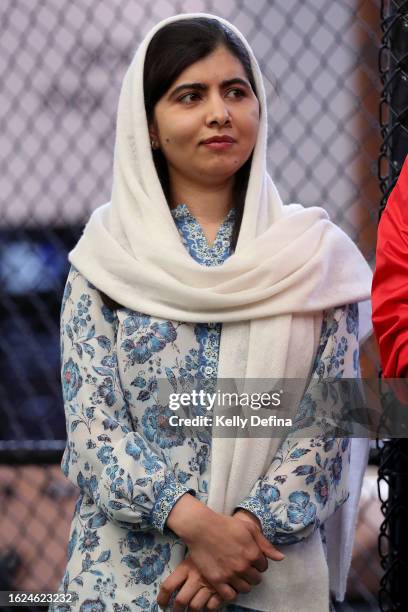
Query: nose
[218,111]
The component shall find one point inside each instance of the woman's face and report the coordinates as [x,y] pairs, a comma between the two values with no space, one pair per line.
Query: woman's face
[212,97]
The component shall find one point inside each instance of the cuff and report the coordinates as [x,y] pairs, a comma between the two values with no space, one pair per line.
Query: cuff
[268,523]
[167,497]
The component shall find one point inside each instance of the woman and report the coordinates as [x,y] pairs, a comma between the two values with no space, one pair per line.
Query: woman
[194,270]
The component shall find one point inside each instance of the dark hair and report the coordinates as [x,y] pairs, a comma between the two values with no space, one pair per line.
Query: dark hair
[171,50]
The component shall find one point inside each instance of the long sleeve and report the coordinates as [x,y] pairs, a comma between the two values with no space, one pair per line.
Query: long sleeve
[308,477]
[390,282]
[105,455]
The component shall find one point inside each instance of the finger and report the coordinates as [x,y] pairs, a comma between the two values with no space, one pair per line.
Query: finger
[251,575]
[267,548]
[261,563]
[189,589]
[240,585]
[214,603]
[225,591]
[200,599]
[170,584]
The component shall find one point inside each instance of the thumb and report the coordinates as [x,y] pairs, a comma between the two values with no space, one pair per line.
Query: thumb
[267,548]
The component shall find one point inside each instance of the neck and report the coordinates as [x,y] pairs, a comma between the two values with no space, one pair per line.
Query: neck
[209,204]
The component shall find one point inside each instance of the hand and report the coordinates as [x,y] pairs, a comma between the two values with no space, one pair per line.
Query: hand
[230,552]
[195,592]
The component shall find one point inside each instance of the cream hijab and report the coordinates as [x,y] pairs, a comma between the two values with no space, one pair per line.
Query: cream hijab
[289,265]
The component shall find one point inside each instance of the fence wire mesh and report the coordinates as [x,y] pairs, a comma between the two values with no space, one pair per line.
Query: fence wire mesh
[62,64]
[393,454]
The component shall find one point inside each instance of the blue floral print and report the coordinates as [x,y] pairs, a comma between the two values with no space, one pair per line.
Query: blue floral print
[301,510]
[71,379]
[131,467]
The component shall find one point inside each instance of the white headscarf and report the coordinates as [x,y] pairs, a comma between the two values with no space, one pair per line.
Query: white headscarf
[289,265]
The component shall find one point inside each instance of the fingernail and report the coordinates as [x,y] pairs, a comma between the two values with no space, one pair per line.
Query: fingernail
[278,552]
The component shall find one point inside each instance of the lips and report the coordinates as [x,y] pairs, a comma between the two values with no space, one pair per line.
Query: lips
[219,139]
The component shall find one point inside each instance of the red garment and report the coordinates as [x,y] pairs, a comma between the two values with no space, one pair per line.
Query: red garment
[390,283]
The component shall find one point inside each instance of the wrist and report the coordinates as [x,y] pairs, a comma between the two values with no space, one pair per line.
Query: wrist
[188,517]
[246,515]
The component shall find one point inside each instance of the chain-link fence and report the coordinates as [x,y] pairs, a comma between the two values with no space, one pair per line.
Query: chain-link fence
[393,457]
[62,64]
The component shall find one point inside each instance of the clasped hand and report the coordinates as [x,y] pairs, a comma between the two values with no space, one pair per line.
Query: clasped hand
[224,560]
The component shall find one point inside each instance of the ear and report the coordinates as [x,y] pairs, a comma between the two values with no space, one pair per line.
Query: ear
[153,131]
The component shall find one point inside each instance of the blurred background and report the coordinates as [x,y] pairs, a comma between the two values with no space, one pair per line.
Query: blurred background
[62,64]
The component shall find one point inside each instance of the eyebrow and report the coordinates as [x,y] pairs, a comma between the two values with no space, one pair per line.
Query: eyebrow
[204,87]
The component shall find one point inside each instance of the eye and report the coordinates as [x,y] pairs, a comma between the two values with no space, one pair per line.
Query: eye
[184,100]
[193,96]
[240,92]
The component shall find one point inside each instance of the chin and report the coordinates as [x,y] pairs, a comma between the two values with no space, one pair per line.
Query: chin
[223,168]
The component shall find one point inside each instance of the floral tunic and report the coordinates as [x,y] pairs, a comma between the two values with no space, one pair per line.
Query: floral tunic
[131,469]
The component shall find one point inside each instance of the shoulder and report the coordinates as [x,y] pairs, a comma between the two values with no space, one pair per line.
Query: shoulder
[84,297]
